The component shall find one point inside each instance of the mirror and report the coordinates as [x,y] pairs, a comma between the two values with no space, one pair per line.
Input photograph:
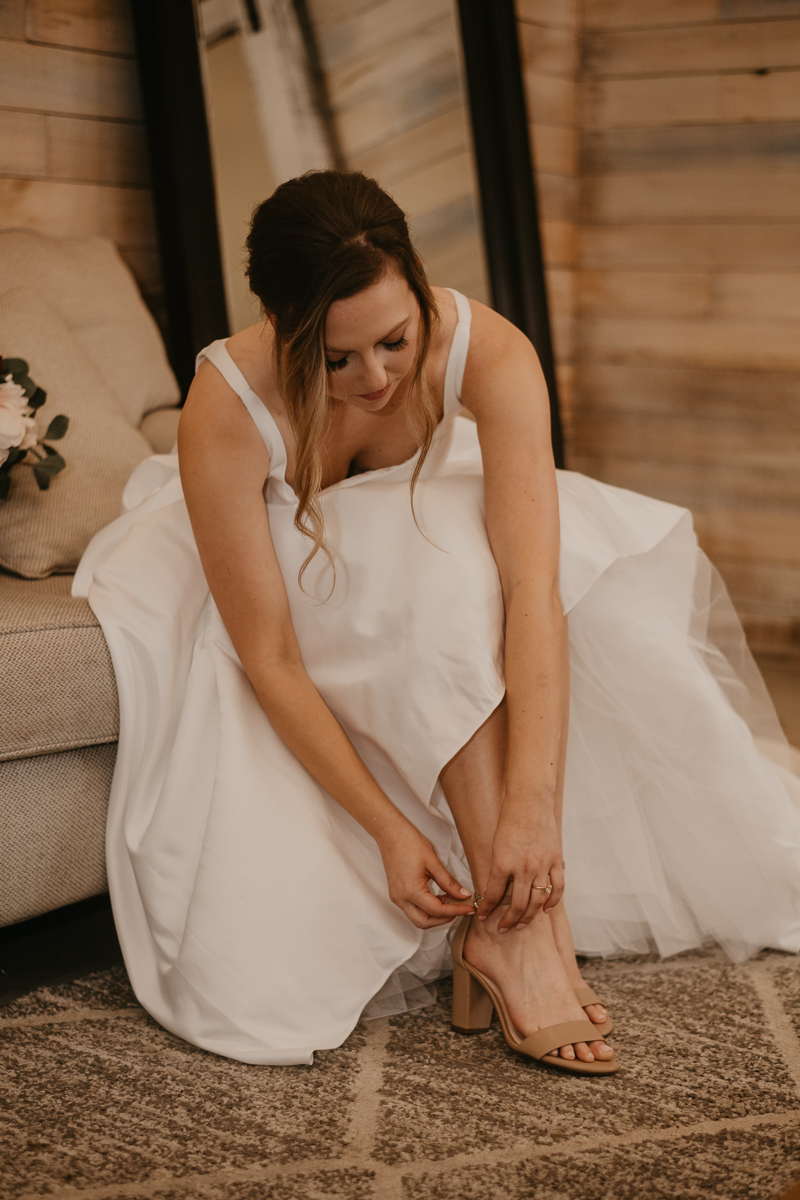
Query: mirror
[373,85]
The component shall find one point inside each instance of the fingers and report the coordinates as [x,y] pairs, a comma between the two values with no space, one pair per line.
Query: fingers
[440,874]
[421,919]
[522,900]
[557,880]
[493,893]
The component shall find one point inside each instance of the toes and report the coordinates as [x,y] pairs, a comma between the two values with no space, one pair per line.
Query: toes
[601,1050]
[566,1052]
[596,1013]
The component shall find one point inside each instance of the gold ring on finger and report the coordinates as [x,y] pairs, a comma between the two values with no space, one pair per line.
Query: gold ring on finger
[540,887]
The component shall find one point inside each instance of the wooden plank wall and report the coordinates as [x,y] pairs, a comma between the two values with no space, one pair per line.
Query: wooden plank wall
[548,33]
[687,286]
[72,151]
[394,75]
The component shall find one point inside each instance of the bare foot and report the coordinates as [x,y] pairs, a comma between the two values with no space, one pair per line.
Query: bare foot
[527,969]
[562,935]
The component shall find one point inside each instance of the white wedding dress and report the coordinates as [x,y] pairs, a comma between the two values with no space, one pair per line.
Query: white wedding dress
[252,911]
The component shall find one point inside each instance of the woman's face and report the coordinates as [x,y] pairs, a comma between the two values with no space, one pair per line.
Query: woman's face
[371,343]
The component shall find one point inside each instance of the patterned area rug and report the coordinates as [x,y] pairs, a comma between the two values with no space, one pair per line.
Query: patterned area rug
[103,1104]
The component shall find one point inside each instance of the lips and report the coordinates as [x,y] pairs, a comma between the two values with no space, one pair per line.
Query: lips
[375,395]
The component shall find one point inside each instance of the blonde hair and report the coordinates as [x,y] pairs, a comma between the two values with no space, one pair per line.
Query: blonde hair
[324,237]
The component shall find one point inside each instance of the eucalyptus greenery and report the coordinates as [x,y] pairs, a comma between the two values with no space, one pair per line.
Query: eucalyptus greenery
[20,397]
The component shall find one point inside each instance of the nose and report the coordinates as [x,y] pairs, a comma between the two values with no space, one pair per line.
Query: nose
[375,377]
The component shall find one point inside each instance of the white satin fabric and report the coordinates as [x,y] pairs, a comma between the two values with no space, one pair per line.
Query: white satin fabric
[252,910]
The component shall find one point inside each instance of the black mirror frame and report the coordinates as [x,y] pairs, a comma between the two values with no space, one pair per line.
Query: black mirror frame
[506,182]
[182,176]
[185,198]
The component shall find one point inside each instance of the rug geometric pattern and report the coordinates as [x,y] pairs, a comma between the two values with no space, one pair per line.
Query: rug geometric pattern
[101,1103]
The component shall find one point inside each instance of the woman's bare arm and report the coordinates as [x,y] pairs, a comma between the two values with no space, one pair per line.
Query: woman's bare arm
[224,467]
[505,390]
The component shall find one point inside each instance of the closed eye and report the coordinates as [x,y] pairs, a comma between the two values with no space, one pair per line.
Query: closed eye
[339,363]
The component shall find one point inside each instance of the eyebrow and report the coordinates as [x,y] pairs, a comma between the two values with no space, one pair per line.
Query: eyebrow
[394,329]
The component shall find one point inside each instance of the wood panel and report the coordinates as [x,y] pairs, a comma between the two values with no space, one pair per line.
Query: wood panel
[86,24]
[555,148]
[720,395]
[551,99]
[766,144]
[774,96]
[770,589]
[718,46]
[744,345]
[408,81]
[441,137]
[23,144]
[558,196]
[756,444]
[360,34]
[612,14]
[49,79]
[549,49]
[96,151]
[773,245]
[645,293]
[12,19]
[79,210]
[558,242]
[702,195]
[757,295]
[549,12]
[436,186]
[750,536]
[699,485]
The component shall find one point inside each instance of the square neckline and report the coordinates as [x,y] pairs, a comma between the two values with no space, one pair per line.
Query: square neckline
[272,436]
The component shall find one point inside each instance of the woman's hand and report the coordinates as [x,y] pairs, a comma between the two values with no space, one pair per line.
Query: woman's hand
[526,850]
[411,863]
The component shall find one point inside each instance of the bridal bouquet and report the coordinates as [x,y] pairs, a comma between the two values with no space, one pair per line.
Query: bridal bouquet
[19,442]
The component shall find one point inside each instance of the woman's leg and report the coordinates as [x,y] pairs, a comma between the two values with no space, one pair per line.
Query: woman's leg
[525,964]
[558,916]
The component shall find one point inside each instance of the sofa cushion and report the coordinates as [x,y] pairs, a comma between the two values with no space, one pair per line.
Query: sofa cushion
[53,817]
[88,284]
[46,532]
[58,689]
[161,429]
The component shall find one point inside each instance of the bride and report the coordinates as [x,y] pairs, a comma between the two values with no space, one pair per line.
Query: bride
[344,670]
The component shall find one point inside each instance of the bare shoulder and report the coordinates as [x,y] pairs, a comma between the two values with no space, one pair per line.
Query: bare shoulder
[493,339]
[216,434]
[503,378]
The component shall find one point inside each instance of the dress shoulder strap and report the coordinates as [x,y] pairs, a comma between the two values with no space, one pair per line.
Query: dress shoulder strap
[217,353]
[457,358]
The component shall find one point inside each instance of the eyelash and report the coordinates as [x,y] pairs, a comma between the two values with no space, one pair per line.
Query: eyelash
[400,344]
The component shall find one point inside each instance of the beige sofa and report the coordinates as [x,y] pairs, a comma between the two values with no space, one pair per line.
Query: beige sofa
[71,308]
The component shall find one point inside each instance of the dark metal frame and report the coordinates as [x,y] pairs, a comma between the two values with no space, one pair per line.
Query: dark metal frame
[182,179]
[507,182]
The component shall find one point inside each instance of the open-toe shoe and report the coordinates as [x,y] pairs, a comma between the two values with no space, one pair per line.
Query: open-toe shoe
[475,997]
[585,996]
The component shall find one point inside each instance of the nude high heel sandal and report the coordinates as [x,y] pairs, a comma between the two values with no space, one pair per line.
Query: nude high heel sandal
[586,995]
[475,998]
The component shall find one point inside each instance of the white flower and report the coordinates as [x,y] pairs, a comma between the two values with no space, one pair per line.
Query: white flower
[16,428]
[12,396]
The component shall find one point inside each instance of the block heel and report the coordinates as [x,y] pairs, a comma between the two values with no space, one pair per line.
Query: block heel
[472,1007]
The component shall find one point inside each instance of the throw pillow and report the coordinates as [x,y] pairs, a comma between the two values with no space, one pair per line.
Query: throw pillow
[46,532]
[93,291]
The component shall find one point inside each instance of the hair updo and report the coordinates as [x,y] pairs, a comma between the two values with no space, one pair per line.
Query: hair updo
[319,238]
